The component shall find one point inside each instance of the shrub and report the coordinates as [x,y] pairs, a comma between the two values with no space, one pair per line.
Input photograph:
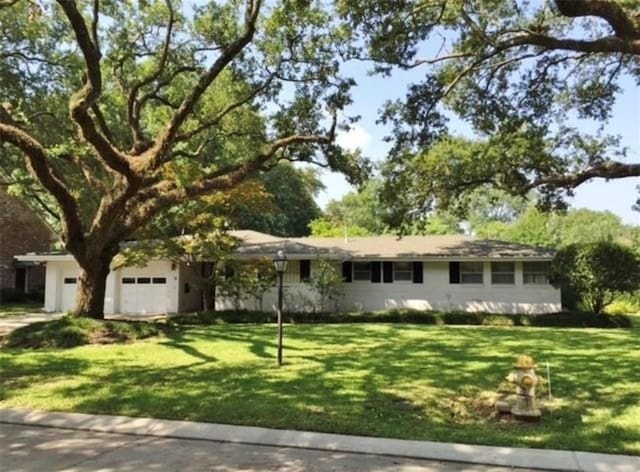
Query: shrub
[564,319]
[597,272]
[72,331]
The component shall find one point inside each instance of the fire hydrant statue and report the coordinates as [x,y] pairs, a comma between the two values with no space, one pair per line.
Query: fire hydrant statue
[526,380]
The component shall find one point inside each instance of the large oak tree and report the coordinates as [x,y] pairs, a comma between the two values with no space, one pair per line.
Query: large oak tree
[113,112]
[518,72]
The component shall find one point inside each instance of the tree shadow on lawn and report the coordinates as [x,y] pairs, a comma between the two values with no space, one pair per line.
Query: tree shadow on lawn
[16,375]
[393,381]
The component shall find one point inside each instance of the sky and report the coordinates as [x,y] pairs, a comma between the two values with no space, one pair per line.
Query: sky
[372,92]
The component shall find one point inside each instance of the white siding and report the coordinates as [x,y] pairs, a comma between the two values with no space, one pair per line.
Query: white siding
[436,293]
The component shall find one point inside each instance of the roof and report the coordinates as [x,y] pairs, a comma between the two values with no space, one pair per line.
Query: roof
[255,244]
[387,247]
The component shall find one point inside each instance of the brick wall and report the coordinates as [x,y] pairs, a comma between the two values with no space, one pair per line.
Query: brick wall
[21,231]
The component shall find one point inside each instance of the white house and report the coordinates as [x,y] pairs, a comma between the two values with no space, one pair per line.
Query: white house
[421,272]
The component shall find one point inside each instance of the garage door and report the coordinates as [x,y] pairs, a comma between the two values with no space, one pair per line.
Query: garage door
[144,294]
[68,299]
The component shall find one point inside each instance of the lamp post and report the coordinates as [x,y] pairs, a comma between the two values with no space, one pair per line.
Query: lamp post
[280,264]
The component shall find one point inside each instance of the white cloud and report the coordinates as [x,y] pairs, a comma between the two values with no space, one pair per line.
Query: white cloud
[356,138]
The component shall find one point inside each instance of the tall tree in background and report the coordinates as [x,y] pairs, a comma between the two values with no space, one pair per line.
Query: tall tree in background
[291,204]
[515,71]
[114,112]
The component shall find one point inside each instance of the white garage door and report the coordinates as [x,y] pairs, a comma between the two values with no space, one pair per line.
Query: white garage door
[68,299]
[143,294]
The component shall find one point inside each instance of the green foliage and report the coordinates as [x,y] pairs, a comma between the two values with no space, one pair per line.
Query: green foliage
[326,280]
[73,331]
[118,116]
[509,73]
[624,305]
[292,205]
[548,229]
[597,272]
[242,279]
[573,319]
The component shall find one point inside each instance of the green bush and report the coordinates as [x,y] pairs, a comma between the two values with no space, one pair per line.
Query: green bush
[596,272]
[72,331]
[563,319]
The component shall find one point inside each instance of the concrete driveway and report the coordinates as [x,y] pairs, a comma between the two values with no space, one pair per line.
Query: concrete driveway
[10,323]
[33,448]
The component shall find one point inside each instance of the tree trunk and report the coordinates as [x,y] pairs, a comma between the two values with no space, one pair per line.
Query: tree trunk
[92,285]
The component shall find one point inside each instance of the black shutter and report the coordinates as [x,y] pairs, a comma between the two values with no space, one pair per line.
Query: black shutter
[305,270]
[346,271]
[454,272]
[387,272]
[375,272]
[417,272]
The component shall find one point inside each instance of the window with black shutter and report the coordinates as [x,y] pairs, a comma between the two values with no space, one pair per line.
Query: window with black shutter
[305,270]
[454,272]
[375,272]
[387,272]
[417,272]
[346,271]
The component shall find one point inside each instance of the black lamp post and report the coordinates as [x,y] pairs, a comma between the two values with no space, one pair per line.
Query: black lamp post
[280,264]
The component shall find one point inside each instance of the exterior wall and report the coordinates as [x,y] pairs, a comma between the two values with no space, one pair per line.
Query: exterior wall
[21,231]
[436,293]
[60,296]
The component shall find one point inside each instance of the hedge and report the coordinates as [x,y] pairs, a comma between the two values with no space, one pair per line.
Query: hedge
[562,319]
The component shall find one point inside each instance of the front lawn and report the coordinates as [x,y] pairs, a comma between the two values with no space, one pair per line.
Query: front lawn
[402,381]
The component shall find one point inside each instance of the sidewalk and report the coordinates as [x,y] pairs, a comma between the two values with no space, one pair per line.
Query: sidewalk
[543,459]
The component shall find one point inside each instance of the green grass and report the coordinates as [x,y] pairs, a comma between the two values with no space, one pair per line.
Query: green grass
[402,381]
[18,309]
[71,331]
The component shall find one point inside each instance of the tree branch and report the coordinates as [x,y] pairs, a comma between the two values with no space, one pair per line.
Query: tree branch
[85,98]
[225,111]
[166,137]
[624,26]
[134,106]
[167,193]
[606,170]
[37,162]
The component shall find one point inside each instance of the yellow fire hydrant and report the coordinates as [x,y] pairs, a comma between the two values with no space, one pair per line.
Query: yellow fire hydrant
[526,380]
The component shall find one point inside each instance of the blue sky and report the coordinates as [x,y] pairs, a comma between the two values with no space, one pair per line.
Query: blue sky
[371,93]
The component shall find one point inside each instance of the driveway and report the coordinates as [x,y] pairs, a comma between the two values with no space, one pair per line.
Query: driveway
[10,323]
[33,448]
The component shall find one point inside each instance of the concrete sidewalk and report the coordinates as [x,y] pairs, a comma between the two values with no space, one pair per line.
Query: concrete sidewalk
[543,459]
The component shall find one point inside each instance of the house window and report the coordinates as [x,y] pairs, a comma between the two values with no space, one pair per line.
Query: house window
[362,271]
[128,280]
[471,272]
[503,273]
[69,280]
[535,273]
[402,271]
[159,280]
[144,280]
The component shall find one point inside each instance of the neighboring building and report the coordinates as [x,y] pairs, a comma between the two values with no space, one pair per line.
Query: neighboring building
[21,231]
[422,272]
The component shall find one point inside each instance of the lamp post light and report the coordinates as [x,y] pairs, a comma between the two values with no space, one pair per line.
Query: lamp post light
[280,264]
